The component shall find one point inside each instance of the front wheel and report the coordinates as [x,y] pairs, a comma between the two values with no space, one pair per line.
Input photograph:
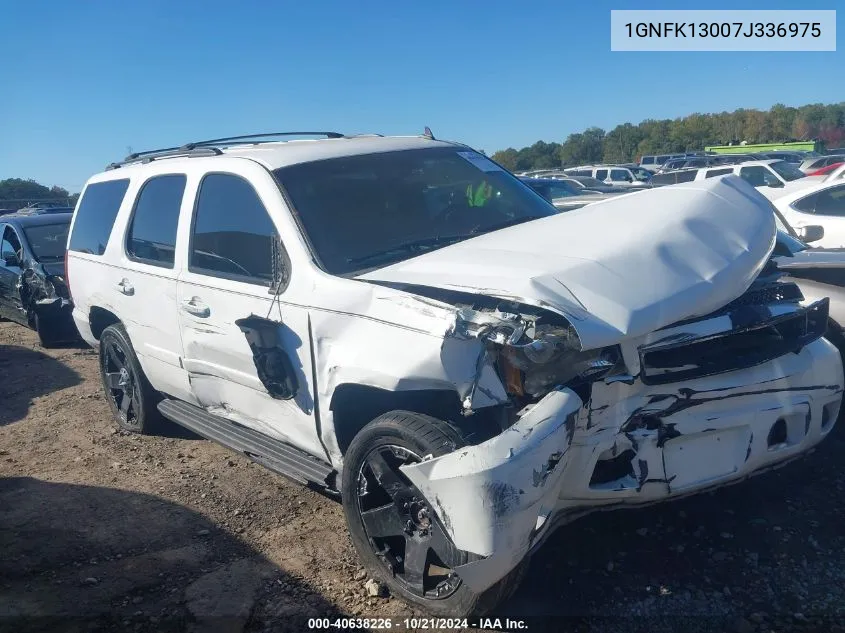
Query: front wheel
[394,529]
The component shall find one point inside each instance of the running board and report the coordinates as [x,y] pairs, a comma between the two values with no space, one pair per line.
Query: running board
[273,454]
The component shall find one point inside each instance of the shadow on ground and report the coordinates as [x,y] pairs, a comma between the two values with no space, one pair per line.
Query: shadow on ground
[81,558]
[26,374]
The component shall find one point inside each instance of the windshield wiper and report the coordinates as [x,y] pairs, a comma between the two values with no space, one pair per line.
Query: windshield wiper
[504,225]
[416,246]
[426,244]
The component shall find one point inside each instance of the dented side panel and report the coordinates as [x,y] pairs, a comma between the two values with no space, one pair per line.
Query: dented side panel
[393,341]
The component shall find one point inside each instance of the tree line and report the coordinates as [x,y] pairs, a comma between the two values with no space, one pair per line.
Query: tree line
[627,142]
[16,193]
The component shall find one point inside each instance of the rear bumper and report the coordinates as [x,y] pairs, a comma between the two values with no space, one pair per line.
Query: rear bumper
[80,319]
[57,314]
[628,445]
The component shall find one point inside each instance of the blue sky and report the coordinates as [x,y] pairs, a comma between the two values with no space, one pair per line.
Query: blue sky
[81,81]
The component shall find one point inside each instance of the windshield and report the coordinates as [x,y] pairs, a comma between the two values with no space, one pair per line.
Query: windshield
[47,241]
[641,174]
[373,210]
[787,171]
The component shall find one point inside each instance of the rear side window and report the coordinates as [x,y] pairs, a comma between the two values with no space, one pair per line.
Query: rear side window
[619,174]
[232,234]
[711,173]
[152,230]
[648,160]
[601,174]
[95,216]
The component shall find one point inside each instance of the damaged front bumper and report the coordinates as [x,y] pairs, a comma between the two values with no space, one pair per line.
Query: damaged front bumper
[628,444]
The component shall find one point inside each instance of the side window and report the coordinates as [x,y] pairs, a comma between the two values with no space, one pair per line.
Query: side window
[95,216]
[601,174]
[806,205]
[10,246]
[152,231]
[754,175]
[559,192]
[831,202]
[232,234]
[619,174]
[648,160]
[711,173]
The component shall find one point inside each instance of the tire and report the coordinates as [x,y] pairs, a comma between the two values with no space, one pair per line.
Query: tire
[376,519]
[122,378]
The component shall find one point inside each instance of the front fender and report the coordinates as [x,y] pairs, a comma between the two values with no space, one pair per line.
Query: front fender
[493,498]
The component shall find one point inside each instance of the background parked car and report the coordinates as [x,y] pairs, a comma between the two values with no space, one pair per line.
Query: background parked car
[32,285]
[824,171]
[562,194]
[820,204]
[818,272]
[591,184]
[812,164]
[614,174]
[762,174]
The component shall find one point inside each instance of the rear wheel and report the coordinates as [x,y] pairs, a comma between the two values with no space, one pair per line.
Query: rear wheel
[397,534]
[131,397]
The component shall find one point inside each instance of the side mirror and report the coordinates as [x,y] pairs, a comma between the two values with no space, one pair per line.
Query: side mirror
[776,184]
[281,266]
[811,233]
[11,259]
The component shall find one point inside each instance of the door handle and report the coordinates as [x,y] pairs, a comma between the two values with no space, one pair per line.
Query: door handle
[195,306]
[126,287]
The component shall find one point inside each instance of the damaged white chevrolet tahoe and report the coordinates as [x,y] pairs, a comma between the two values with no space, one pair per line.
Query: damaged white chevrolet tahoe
[401,322]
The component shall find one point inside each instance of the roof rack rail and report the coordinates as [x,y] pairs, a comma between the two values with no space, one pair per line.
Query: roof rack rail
[211,147]
[254,138]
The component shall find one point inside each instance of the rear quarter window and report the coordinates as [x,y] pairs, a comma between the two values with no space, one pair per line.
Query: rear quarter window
[712,173]
[95,216]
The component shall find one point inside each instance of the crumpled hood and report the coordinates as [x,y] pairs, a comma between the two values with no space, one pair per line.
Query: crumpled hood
[619,268]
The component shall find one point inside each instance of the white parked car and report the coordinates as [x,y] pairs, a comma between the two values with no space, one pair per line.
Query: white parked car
[400,322]
[614,174]
[764,174]
[821,204]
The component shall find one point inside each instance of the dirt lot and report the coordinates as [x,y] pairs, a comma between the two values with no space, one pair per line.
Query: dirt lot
[100,529]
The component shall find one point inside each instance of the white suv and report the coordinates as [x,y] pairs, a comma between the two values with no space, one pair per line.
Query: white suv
[401,322]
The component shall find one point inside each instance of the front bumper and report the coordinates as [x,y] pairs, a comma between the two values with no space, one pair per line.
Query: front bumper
[628,445]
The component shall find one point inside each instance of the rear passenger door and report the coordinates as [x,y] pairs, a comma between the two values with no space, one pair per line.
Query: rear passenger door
[145,282]
[224,291]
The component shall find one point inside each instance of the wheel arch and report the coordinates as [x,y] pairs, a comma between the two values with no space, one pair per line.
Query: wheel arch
[353,406]
[99,319]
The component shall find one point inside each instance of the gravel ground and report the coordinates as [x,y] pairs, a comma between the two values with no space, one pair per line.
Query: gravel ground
[104,530]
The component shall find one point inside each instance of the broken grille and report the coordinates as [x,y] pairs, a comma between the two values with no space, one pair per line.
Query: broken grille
[737,349]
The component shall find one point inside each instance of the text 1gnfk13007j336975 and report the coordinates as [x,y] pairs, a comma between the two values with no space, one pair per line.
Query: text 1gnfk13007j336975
[724,29]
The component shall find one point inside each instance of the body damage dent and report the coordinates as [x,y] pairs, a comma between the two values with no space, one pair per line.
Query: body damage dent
[517,474]
[274,367]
